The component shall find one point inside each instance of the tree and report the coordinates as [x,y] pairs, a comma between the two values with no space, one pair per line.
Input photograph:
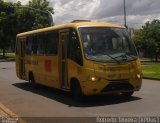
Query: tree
[5,26]
[34,15]
[149,38]
[138,40]
[16,18]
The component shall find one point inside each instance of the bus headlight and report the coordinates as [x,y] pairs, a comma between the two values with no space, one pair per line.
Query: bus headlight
[93,78]
[138,76]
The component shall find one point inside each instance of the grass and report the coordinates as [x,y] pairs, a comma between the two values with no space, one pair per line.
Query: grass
[8,56]
[151,69]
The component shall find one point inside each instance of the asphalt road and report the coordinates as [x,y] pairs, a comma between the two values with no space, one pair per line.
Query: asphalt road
[46,102]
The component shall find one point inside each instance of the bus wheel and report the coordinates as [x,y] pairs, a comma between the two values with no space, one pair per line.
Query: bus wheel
[32,80]
[127,94]
[76,91]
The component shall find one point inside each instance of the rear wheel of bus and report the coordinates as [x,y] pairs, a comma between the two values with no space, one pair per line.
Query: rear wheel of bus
[32,80]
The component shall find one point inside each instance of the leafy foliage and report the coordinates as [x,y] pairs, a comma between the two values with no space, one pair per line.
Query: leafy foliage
[35,15]
[7,22]
[16,18]
[148,39]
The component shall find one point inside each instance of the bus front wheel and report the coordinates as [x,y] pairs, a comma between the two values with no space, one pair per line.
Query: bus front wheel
[127,94]
[76,91]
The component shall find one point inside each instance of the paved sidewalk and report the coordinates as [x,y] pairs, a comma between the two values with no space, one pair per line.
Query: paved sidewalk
[7,116]
[3,114]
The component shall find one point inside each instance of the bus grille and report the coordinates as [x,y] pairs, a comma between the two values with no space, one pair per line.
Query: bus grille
[118,86]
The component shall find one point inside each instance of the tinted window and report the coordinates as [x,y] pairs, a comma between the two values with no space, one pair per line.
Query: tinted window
[107,44]
[40,44]
[28,49]
[52,43]
[31,45]
[17,46]
[34,45]
[74,49]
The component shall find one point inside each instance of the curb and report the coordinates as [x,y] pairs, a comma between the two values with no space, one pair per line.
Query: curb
[11,116]
[150,78]
[7,60]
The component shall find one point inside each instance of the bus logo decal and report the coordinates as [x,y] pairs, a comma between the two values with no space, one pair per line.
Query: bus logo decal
[48,66]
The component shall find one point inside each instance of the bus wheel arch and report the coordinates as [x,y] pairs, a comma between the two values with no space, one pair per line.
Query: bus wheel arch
[75,89]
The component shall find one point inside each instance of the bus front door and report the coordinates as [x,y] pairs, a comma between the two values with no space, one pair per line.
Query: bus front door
[22,58]
[64,37]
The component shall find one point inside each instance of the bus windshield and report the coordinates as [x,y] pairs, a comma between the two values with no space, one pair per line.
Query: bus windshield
[107,44]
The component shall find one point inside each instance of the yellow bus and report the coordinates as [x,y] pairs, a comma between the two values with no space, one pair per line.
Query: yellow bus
[85,58]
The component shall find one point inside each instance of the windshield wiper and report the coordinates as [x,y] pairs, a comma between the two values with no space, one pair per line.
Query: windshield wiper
[127,54]
[113,58]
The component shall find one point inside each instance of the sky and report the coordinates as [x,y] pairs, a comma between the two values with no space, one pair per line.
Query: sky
[138,11]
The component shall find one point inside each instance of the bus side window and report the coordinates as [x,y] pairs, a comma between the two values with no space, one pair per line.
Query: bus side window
[17,46]
[34,45]
[52,43]
[40,44]
[74,49]
[28,48]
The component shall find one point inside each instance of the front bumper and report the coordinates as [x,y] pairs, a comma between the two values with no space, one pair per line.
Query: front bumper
[110,86]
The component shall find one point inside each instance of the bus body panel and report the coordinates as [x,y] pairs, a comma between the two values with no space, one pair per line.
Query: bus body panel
[114,75]
[44,68]
[94,77]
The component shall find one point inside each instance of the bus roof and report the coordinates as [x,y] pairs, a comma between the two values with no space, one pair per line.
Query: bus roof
[72,24]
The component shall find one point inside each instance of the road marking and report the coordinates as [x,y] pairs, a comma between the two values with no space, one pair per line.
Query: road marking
[10,114]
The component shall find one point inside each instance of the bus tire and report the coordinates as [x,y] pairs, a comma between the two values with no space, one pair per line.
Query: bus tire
[127,94]
[76,91]
[32,80]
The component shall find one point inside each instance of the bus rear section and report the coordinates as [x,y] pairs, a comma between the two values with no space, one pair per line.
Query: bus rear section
[20,57]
